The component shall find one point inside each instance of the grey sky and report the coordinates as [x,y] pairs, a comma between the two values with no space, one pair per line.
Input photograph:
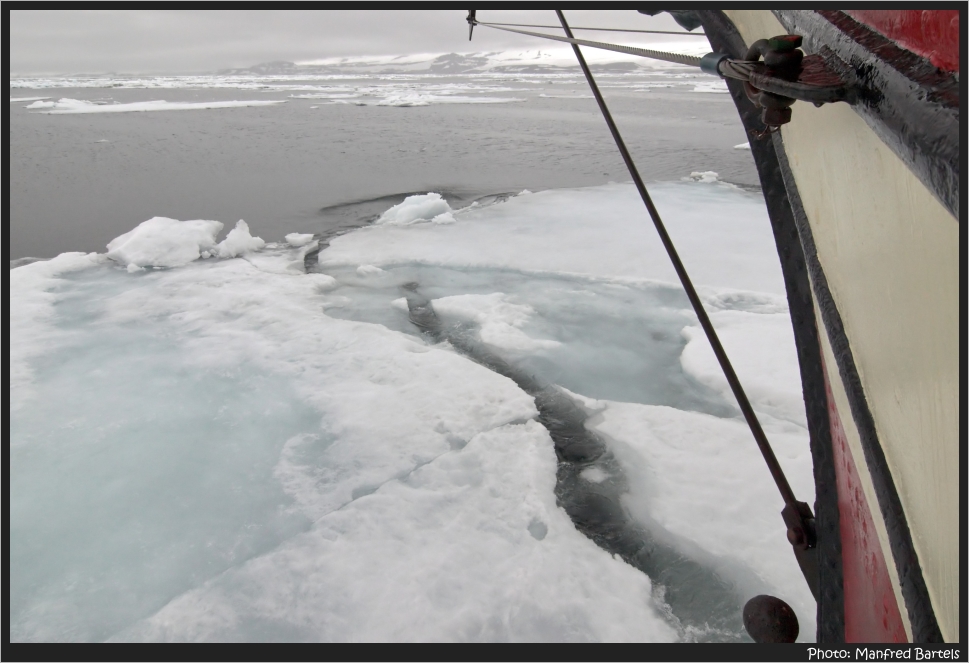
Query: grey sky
[188,41]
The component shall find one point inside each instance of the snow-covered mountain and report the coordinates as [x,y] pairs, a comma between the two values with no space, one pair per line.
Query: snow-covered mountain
[526,61]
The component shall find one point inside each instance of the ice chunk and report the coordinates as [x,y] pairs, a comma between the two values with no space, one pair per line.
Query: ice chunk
[500,320]
[369,270]
[594,474]
[415,208]
[238,242]
[706,176]
[40,104]
[299,239]
[163,242]
[742,146]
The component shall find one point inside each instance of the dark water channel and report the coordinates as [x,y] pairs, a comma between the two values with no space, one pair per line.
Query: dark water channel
[704,606]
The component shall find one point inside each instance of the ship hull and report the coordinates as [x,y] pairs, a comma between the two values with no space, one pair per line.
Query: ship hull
[864,208]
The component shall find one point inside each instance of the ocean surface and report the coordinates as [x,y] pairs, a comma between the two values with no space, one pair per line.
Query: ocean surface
[391,357]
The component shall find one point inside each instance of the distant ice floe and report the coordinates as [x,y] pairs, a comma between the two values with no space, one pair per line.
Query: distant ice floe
[566,96]
[719,87]
[393,95]
[742,146]
[422,99]
[68,106]
[12,99]
[705,176]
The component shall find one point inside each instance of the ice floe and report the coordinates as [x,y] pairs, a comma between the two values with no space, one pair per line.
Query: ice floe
[724,239]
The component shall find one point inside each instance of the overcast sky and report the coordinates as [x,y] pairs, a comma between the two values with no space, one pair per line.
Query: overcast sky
[187,41]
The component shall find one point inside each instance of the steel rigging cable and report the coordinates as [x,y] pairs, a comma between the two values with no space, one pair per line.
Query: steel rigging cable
[652,32]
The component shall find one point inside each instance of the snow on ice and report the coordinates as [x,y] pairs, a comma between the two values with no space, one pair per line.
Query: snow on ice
[236,450]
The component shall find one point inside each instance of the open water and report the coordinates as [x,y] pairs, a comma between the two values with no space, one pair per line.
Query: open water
[78,181]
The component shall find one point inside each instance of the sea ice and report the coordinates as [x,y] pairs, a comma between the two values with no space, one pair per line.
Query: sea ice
[416,459]
[236,450]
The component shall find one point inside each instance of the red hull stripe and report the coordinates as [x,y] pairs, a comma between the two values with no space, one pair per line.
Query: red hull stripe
[871,609]
[933,34]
